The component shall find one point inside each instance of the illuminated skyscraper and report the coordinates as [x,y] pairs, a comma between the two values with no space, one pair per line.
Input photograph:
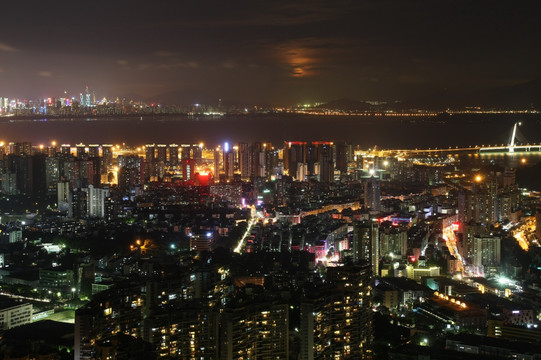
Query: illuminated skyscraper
[255,331]
[217,162]
[131,172]
[9,183]
[81,152]
[107,153]
[245,160]
[485,200]
[294,153]
[372,194]
[185,151]
[302,171]
[96,201]
[229,161]
[188,332]
[64,200]
[173,154]
[366,244]
[393,240]
[487,254]
[106,158]
[336,322]
[150,153]
[21,148]
[93,150]
[188,169]
[320,161]
[150,159]
[161,155]
[197,153]
[538,223]
[22,166]
[344,155]
[65,149]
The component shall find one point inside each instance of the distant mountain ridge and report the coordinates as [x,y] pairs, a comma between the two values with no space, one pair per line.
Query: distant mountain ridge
[520,96]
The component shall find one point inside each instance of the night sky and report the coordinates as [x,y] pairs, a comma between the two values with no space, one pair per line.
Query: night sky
[265,52]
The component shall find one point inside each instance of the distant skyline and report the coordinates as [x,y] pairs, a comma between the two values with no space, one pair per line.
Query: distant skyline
[273,52]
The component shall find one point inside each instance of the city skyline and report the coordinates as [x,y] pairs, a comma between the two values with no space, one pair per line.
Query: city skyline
[296,180]
[267,53]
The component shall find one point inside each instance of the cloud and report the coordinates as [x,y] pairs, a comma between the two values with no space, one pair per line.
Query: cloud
[164,54]
[278,13]
[307,57]
[122,62]
[7,48]
[229,65]
[412,79]
[45,73]
[169,65]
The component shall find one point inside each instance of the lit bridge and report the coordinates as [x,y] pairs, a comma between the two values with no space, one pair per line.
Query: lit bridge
[511,147]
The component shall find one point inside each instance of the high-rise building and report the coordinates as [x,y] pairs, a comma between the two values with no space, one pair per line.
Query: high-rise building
[65,149]
[487,254]
[255,331]
[21,148]
[229,164]
[485,200]
[96,201]
[259,159]
[116,310]
[150,156]
[197,153]
[81,151]
[366,244]
[326,165]
[245,160]
[509,199]
[79,204]
[150,153]
[9,183]
[87,173]
[161,155]
[185,152]
[217,162]
[39,186]
[107,157]
[131,172]
[294,152]
[509,177]
[336,322]
[464,204]
[393,240]
[64,199]
[344,155]
[188,332]
[321,153]
[538,224]
[372,194]
[188,169]
[173,154]
[302,171]
[22,166]
[271,161]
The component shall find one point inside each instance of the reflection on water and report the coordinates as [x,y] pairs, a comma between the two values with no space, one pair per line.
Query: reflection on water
[513,160]
[385,132]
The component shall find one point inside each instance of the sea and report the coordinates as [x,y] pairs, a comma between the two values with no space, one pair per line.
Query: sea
[387,132]
[383,132]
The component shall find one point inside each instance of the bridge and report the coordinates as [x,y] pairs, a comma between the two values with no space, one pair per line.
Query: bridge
[510,148]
